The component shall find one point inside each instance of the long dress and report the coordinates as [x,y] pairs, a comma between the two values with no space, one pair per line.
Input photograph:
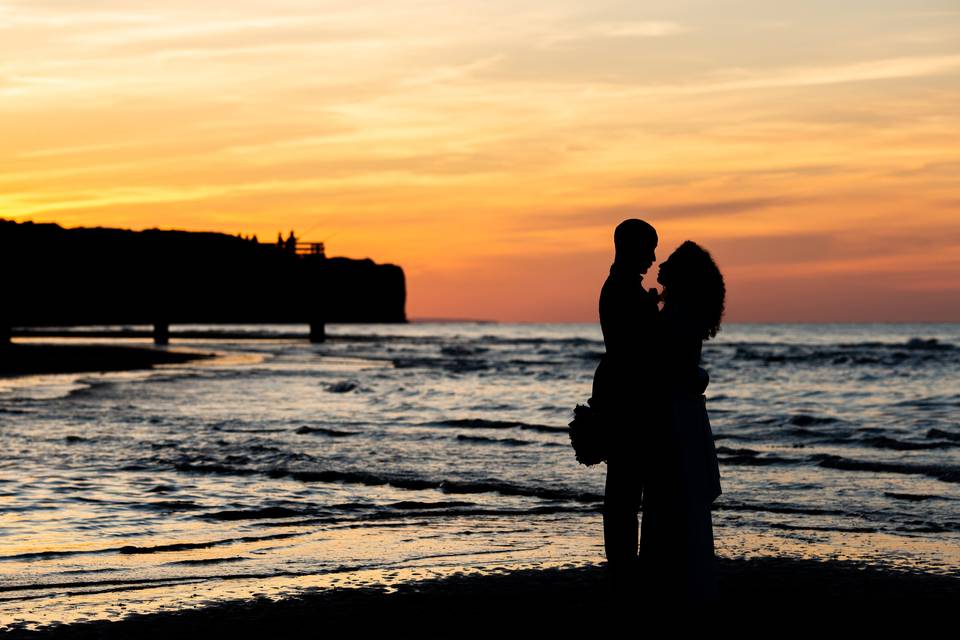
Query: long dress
[681,482]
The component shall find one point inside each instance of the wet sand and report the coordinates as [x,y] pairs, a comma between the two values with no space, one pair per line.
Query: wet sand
[552,599]
[34,359]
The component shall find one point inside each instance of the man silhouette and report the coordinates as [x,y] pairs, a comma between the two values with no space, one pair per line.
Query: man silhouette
[628,313]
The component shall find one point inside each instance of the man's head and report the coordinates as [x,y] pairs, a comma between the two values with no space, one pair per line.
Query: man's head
[636,243]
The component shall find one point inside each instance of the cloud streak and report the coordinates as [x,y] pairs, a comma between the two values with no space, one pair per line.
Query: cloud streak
[611,215]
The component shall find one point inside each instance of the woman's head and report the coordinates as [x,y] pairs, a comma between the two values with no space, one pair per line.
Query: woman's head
[692,281]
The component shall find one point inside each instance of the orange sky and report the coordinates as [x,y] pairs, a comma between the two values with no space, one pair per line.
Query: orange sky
[490,148]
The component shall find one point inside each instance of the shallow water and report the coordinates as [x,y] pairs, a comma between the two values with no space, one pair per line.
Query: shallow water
[398,452]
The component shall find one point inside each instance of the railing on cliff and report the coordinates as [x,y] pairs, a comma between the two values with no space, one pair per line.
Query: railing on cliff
[310,249]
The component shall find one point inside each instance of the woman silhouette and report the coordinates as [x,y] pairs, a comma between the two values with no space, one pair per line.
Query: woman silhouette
[682,477]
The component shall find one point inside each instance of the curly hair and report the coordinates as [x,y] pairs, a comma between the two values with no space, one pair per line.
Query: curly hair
[691,278]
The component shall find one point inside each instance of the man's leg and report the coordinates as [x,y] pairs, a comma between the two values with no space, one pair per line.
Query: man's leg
[620,523]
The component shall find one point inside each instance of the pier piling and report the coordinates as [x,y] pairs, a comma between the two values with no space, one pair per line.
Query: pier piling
[161,333]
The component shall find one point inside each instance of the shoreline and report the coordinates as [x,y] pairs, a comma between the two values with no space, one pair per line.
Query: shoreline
[18,359]
[532,598]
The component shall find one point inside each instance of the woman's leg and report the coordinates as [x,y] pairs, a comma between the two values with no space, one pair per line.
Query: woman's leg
[663,559]
[702,563]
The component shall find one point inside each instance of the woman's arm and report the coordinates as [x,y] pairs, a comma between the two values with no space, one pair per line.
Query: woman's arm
[680,346]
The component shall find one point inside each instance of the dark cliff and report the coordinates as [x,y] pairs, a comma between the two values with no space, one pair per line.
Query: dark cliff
[84,276]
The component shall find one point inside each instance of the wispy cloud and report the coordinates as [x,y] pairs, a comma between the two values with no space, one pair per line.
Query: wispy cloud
[610,215]
[620,29]
[643,29]
[882,69]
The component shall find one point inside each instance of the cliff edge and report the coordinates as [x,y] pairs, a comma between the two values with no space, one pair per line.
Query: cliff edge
[102,276]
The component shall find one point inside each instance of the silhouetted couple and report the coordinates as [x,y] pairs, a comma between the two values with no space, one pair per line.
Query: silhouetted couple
[648,390]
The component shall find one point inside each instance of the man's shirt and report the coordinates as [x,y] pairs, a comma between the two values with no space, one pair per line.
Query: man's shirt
[628,315]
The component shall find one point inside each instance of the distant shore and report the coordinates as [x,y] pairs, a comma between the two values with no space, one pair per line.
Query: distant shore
[550,599]
[129,333]
[19,359]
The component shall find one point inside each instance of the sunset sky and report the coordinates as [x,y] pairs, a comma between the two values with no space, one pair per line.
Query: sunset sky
[491,147]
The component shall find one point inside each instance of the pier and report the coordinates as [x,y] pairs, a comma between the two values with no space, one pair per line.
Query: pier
[106,277]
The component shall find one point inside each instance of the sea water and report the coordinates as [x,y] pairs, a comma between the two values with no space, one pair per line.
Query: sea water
[405,452]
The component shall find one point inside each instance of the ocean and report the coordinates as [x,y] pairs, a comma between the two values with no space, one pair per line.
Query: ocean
[395,453]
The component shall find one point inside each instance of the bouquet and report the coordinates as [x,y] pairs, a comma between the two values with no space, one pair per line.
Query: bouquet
[588,435]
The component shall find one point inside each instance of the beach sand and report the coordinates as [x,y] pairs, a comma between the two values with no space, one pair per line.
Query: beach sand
[34,359]
[553,599]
